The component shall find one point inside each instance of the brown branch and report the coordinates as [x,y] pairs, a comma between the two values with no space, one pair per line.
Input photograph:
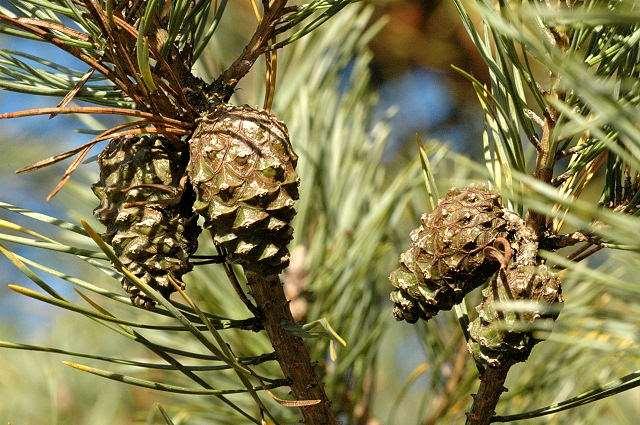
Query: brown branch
[222,88]
[544,169]
[94,110]
[292,354]
[485,401]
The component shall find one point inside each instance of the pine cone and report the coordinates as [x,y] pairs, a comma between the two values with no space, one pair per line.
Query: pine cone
[502,338]
[152,230]
[446,257]
[242,166]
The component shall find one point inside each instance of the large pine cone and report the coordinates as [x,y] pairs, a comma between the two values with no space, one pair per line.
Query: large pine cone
[242,167]
[154,238]
[446,257]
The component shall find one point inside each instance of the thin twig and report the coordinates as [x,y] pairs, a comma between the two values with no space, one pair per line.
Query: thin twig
[94,110]
[222,88]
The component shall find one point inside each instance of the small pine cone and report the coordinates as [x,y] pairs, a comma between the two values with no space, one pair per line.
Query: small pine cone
[242,167]
[147,212]
[502,338]
[446,257]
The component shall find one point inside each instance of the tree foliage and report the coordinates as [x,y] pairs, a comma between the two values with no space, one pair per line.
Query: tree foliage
[560,144]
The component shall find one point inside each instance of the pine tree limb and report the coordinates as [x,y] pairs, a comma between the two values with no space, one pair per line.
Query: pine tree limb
[292,354]
[544,168]
[222,88]
[485,401]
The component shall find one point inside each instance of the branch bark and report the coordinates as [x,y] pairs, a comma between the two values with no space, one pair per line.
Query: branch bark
[222,88]
[485,401]
[292,354]
[544,170]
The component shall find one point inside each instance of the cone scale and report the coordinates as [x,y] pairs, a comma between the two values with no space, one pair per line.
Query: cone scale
[454,251]
[147,211]
[446,256]
[242,167]
[500,337]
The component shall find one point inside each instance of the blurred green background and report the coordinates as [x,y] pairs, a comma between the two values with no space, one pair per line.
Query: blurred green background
[364,93]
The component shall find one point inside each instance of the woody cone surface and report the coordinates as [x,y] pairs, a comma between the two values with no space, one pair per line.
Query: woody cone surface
[503,337]
[446,258]
[242,167]
[154,238]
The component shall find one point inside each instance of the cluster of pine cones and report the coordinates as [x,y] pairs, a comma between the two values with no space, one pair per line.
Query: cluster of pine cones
[467,240]
[237,171]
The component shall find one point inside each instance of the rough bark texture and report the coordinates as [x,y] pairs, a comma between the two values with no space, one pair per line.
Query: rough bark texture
[485,401]
[290,350]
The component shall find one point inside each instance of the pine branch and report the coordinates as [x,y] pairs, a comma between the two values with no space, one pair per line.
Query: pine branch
[277,19]
[137,62]
[222,88]
[485,401]
[290,350]
[545,161]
